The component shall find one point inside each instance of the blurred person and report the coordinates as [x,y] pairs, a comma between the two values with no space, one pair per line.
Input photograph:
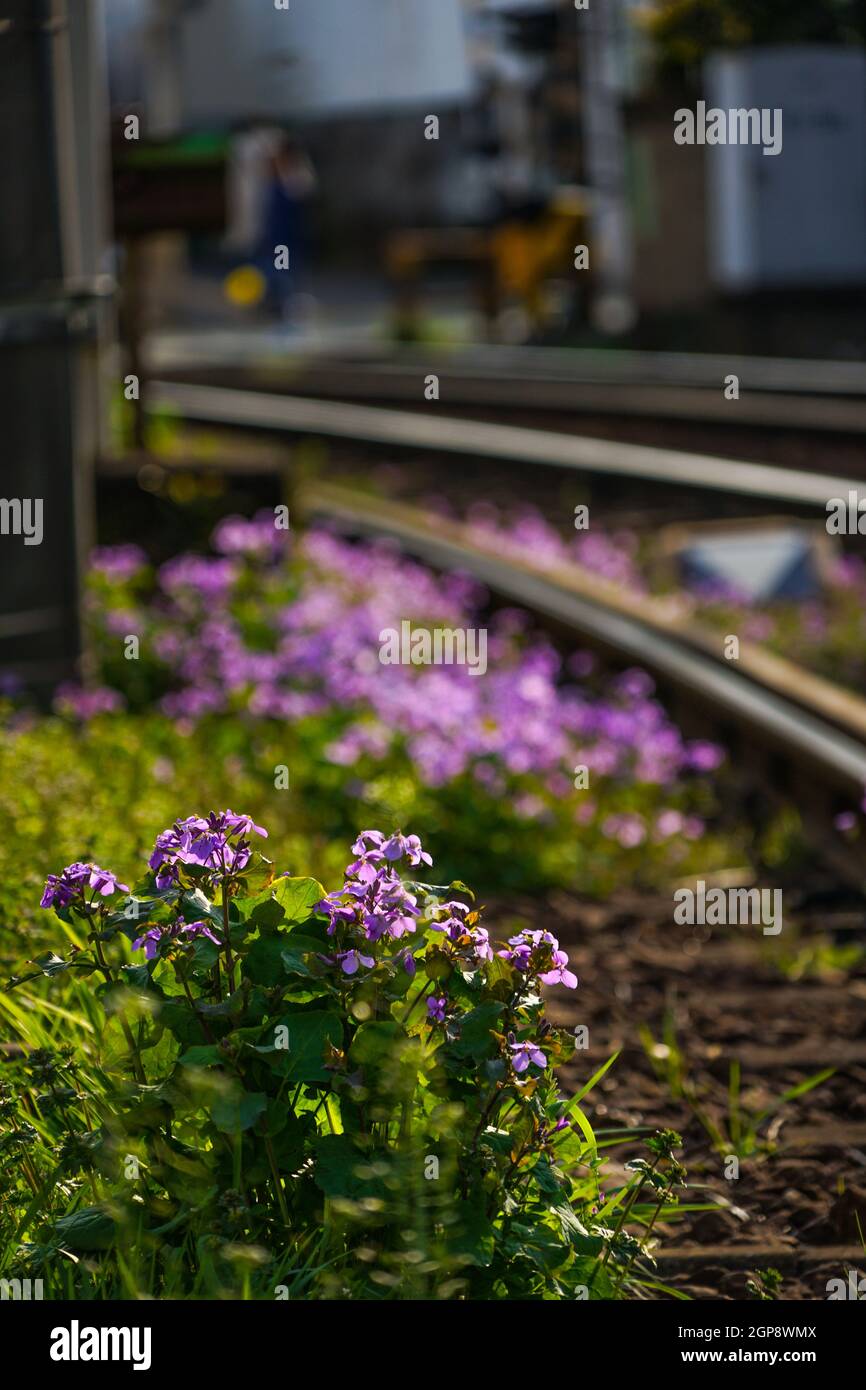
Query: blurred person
[251,151]
[290,185]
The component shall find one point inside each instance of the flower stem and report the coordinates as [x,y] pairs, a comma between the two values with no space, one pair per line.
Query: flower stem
[137,1067]
[278,1186]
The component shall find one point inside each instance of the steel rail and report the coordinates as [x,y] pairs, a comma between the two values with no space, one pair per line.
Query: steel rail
[548,448]
[238,349]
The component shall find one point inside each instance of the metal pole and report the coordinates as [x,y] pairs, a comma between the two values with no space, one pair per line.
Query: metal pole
[601,56]
[53,296]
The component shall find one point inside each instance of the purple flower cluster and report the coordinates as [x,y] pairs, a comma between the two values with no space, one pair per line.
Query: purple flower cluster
[471,941]
[526,535]
[374,920]
[85,703]
[218,843]
[374,904]
[173,931]
[539,953]
[76,881]
[258,536]
[118,563]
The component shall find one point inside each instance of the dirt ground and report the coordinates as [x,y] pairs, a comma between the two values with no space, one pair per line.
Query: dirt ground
[712,996]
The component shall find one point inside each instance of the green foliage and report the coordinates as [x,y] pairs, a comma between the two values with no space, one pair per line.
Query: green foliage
[244,1119]
[685,31]
[766,1286]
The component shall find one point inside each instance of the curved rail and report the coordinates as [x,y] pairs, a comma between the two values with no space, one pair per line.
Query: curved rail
[444,434]
[638,629]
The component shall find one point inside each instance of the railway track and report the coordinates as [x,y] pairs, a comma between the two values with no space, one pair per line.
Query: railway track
[788,412]
[451,438]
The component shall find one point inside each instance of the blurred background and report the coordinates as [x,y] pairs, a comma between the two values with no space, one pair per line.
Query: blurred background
[499,173]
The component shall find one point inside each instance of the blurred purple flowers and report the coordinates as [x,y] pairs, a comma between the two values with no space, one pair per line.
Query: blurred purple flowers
[315,653]
[85,703]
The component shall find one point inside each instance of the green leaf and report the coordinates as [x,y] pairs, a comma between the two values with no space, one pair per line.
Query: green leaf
[593,1080]
[588,1273]
[338,1160]
[176,1015]
[238,1110]
[534,1241]
[287,901]
[375,1042]
[275,955]
[461,887]
[575,1232]
[310,1034]
[585,1128]
[206,1056]
[294,955]
[475,1235]
[196,905]
[298,897]
[138,977]
[51,964]
[91,1228]
[475,1038]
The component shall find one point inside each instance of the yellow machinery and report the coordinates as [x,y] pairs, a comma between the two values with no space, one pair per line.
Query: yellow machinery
[513,259]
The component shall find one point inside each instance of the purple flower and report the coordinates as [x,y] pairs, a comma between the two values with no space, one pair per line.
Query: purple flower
[539,952]
[72,883]
[374,836]
[481,943]
[558,974]
[407,960]
[704,756]
[525,1052]
[400,844]
[338,913]
[452,925]
[436,1009]
[151,940]
[349,961]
